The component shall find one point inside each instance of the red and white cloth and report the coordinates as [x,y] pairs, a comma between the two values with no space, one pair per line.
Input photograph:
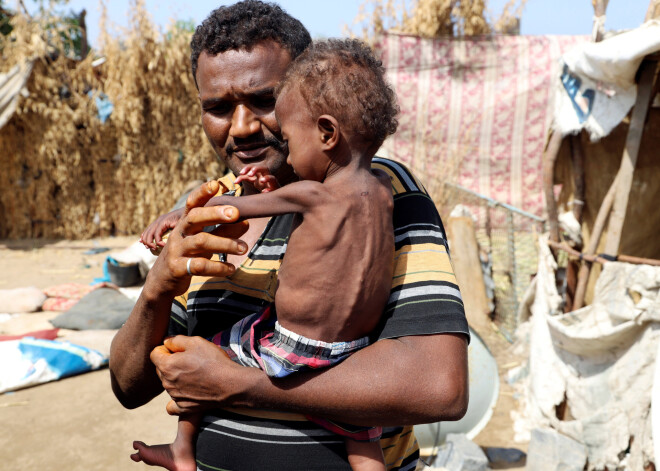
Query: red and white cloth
[64,296]
[485,103]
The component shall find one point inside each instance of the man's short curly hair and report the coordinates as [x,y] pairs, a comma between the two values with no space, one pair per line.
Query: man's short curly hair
[343,78]
[245,24]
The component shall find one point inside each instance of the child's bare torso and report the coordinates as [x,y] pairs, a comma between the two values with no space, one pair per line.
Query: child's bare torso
[336,276]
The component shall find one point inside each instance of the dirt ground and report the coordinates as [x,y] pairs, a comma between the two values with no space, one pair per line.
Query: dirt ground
[499,433]
[76,423]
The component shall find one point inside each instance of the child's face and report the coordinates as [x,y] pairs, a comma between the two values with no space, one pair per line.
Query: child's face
[302,134]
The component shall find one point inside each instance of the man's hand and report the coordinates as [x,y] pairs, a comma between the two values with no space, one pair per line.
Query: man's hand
[189,248]
[186,367]
[152,236]
[187,252]
[198,376]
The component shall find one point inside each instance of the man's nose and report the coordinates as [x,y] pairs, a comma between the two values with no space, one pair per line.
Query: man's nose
[244,123]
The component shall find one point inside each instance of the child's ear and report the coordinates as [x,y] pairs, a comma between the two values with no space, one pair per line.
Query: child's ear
[328,128]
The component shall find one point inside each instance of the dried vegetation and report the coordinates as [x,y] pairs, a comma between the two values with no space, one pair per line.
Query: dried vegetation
[67,174]
[436,18]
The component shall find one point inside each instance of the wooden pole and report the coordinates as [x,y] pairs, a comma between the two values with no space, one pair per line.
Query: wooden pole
[630,153]
[653,11]
[600,6]
[599,225]
[549,160]
[573,266]
[467,268]
[84,46]
[602,260]
[576,283]
[577,159]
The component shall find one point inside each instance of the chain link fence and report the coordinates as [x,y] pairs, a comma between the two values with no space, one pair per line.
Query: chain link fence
[507,241]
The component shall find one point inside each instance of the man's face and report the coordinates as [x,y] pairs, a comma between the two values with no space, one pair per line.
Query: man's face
[238,107]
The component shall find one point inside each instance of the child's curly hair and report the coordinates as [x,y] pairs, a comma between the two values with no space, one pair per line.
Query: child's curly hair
[342,78]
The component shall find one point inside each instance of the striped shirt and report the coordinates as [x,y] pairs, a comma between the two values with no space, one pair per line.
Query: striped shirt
[424,299]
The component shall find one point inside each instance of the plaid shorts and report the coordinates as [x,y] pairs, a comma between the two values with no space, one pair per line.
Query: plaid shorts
[259,340]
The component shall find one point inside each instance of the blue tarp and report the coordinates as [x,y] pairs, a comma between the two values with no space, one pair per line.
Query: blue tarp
[29,361]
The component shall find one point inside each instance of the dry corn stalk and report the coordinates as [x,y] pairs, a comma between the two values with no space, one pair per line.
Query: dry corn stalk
[435,18]
[509,20]
[67,174]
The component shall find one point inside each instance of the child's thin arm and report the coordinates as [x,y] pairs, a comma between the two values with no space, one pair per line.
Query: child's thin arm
[152,237]
[295,197]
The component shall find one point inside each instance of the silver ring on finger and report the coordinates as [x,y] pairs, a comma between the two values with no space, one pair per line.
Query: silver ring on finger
[188,267]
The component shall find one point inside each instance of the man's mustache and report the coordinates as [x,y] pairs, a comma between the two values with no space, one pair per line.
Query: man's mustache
[266,141]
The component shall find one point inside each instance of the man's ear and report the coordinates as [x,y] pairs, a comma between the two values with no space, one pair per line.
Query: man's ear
[328,128]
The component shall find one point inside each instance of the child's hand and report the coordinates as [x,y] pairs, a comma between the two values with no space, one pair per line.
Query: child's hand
[259,176]
[152,237]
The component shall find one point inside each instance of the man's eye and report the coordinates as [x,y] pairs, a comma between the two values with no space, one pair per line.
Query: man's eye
[264,101]
[218,109]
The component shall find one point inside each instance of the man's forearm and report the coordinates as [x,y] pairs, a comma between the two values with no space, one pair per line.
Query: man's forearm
[376,385]
[133,376]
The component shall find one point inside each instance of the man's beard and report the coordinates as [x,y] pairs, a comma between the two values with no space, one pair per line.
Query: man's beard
[278,167]
[270,141]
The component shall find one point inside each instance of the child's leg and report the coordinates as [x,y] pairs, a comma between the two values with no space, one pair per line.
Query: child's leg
[177,456]
[365,456]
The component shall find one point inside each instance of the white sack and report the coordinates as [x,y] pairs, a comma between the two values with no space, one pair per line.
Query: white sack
[601,359]
[25,299]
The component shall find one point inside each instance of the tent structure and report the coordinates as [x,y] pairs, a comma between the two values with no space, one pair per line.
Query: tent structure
[478,112]
[592,368]
[597,91]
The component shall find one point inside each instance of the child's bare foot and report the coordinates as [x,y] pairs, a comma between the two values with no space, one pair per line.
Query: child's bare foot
[365,456]
[172,456]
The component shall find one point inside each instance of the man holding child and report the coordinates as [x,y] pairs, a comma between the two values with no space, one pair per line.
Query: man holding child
[415,370]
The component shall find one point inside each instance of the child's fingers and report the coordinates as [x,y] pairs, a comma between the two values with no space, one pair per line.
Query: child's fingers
[147,238]
[164,231]
[159,236]
[270,182]
[246,169]
[249,178]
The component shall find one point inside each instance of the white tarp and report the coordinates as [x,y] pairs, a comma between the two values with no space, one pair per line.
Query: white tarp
[597,84]
[11,85]
[600,359]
